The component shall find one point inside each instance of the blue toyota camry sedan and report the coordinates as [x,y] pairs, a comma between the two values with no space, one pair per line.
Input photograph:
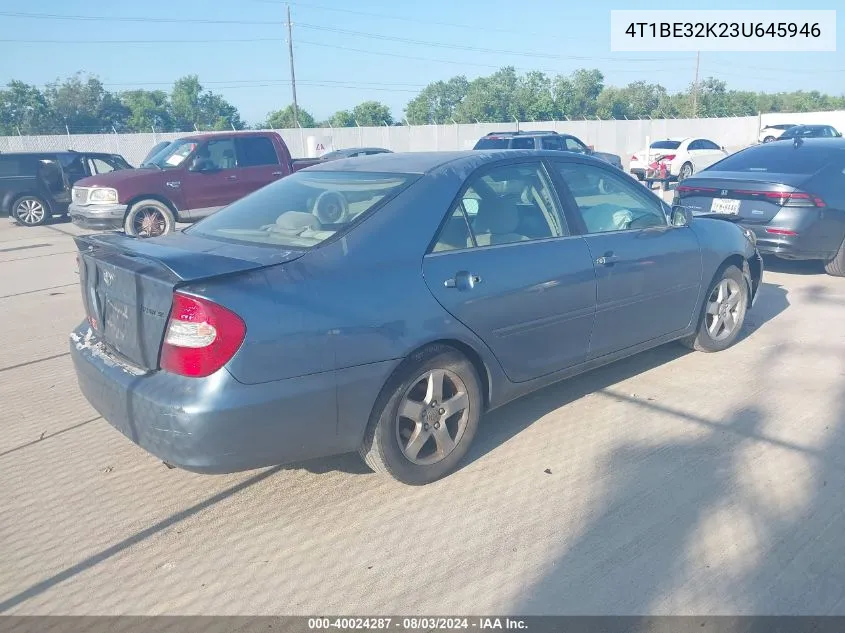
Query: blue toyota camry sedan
[383,304]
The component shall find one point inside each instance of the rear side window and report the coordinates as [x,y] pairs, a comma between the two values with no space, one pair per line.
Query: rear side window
[492,143]
[12,167]
[779,158]
[666,145]
[522,143]
[302,210]
[256,150]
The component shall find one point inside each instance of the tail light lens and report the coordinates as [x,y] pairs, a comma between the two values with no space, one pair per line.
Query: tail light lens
[686,190]
[785,198]
[634,157]
[201,337]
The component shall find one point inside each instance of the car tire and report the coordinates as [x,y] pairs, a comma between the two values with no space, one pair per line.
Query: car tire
[726,297]
[836,266]
[412,435]
[31,211]
[149,218]
[685,172]
[768,139]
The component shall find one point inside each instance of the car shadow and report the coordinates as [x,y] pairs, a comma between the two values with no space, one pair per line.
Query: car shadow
[502,424]
[793,266]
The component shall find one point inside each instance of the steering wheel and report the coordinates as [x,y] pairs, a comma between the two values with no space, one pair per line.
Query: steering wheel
[331,207]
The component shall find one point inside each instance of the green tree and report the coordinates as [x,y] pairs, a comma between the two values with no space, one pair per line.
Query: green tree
[342,118]
[148,109]
[84,105]
[25,110]
[283,119]
[576,96]
[437,102]
[192,107]
[534,98]
[371,114]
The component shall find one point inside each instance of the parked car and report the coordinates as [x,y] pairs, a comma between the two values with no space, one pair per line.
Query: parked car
[353,152]
[682,156]
[791,195]
[278,330]
[190,179]
[544,140]
[771,133]
[158,147]
[35,186]
[809,131]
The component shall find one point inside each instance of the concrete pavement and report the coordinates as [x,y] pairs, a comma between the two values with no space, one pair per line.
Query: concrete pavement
[670,483]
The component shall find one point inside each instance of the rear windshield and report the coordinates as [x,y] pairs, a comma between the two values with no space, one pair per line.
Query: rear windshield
[493,143]
[302,210]
[779,158]
[666,145]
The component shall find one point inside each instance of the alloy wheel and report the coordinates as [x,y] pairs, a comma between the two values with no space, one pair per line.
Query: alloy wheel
[149,222]
[432,417]
[723,309]
[30,211]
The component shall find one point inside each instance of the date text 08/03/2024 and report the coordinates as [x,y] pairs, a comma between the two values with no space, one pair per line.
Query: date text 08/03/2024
[416,623]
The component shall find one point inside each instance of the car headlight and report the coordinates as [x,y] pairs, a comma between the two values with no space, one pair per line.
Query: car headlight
[102,195]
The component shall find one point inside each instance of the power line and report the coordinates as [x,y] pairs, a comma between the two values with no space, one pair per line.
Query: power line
[104,18]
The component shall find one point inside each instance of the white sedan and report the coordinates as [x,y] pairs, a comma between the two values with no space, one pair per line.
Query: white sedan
[683,156]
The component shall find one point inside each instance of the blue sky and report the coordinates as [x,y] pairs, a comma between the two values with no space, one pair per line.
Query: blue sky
[345,52]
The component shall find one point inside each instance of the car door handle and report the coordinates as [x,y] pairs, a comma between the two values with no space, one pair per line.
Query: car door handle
[277,173]
[232,177]
[463,280]
[608,259]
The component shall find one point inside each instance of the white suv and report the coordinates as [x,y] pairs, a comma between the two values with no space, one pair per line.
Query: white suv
[771,133]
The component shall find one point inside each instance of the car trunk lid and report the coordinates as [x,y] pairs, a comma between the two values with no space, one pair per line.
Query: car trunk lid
[754,198]
[127,284]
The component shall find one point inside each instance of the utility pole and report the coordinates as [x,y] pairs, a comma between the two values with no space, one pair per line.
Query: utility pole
[695,87]
[292,74]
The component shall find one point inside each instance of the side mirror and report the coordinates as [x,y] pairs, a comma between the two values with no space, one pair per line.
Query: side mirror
[590,149]
[681,216]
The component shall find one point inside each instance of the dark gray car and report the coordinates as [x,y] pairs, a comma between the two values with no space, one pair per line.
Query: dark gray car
[382,304]
[790,194]
[532,139]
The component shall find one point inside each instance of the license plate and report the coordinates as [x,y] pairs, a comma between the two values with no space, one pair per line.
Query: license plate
[726,206]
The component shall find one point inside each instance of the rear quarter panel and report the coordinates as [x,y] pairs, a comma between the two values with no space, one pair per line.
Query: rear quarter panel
[719,240]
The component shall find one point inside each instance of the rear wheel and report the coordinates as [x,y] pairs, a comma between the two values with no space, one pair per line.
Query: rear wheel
[31,211]
[149,218]
[426,417]
[836,266]
[723,313]
[686,171]
[768,139]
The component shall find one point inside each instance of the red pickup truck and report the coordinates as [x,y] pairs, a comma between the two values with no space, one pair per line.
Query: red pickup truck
[187,180]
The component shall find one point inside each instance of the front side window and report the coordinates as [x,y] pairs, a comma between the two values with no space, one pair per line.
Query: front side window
[173,155]
[574,145]
[217,154]
[553,143]
[507,204]
[303,209]
[607,202]
[254,151]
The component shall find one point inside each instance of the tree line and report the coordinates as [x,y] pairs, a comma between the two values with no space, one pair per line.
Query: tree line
[83,104]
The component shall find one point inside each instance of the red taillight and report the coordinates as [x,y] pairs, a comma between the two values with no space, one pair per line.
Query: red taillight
[785,198]
[634,157]
[201,337]
[668,157]
[781,232]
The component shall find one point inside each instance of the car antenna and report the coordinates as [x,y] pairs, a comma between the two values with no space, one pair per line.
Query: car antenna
[798,142]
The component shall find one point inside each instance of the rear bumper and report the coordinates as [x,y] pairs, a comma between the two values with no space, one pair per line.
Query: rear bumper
[214,424]
[818,234]
[98,217]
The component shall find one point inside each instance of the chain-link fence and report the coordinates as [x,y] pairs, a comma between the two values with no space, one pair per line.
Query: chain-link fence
[618,137]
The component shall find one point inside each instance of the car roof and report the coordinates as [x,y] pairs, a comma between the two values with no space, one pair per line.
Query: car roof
[64,152]
[205,136]
[812,126]
[425,162]
[806,143]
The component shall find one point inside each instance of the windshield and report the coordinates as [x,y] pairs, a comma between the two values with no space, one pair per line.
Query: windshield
[493,143]
[303,209]
[778,158]
[173,155]
[666,145]
[157,149]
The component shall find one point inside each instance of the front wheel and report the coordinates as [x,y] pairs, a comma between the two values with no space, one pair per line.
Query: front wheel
[723,313]
[425,418]
[149,218]
[31,211]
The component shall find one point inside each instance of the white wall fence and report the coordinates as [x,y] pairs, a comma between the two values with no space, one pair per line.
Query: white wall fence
[616,136]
